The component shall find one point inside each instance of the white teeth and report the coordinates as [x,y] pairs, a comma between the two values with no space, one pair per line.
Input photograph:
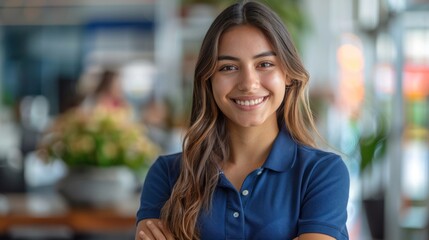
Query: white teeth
[249,102]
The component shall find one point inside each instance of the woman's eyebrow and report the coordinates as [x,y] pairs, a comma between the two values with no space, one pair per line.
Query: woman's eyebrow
[226,57]
[264,54]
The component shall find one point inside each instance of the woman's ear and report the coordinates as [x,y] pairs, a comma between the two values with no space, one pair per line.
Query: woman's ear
[289,82]
[293,82]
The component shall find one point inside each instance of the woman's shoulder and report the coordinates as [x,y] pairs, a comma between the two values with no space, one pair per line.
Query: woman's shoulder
[319,169]
[322,160]
[169,163]
[170,159]
[314,153]
[166,168]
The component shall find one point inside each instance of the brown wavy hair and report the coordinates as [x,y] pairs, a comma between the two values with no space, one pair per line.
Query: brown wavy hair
[206,142]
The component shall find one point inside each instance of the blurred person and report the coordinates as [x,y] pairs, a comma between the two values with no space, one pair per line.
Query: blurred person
[108,95]
[105,98]
[249,168]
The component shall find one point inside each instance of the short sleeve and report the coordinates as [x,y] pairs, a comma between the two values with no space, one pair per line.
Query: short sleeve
[324,207]
[156,190]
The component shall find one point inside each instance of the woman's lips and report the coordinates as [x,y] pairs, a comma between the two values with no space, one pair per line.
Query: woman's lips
[250,102]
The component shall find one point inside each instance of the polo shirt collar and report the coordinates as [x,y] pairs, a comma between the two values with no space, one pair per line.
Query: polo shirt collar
[283,153]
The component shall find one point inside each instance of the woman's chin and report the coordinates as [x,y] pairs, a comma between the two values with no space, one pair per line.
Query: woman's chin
[249,123]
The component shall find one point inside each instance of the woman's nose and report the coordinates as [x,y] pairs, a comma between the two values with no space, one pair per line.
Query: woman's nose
[249,80]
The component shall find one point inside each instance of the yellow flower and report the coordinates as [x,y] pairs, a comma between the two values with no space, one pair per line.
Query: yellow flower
[110,150]
[102,138]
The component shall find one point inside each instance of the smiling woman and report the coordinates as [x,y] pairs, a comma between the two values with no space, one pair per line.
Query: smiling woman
[249,83]
[249,167]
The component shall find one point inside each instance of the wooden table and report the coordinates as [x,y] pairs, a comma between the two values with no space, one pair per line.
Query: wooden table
[50,211]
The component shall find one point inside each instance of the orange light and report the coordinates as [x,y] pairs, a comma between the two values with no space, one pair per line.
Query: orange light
[350,58]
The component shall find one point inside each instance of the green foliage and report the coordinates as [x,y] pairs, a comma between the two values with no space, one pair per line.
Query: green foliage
[290,11]
[373,146]
[101,139]
[7,99]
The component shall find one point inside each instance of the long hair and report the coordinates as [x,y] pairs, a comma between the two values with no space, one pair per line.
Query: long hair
[206,142]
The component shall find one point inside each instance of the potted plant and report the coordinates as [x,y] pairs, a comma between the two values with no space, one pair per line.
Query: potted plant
[104,151]
[372,148]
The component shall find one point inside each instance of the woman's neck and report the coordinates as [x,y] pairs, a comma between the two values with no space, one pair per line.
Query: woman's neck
[251,145]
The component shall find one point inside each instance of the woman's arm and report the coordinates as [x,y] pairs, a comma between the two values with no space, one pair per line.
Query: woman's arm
[324,206]
[314,236]
[152,229]
[156,190]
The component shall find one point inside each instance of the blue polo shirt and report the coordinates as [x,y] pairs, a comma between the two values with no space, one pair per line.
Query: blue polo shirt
[298,190]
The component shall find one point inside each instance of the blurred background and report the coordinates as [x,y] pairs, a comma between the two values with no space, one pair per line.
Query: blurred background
[369,67]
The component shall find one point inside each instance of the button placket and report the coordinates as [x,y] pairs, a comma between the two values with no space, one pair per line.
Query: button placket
[248,185]
[234,227]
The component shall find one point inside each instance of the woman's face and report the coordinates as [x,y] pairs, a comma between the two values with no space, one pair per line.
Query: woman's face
[249,82]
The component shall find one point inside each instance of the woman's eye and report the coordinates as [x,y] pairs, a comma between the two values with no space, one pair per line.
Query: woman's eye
[266,64]
[228,68]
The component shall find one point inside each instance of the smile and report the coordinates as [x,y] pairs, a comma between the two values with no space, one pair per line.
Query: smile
[251,102]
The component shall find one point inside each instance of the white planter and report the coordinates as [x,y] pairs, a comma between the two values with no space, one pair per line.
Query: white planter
[97,186]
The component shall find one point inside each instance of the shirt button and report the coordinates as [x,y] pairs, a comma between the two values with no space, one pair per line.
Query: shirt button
[259,172]
[245,192]
[236,214]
